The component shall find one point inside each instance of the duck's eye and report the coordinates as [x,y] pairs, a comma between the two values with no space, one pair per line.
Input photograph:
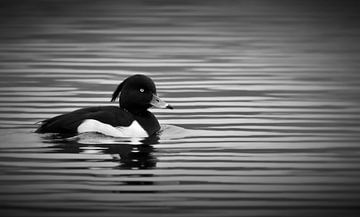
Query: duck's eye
[142,90]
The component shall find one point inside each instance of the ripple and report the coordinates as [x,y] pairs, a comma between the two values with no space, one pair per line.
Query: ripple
[266,118]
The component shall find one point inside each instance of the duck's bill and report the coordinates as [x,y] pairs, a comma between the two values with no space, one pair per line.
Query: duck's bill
[159,103]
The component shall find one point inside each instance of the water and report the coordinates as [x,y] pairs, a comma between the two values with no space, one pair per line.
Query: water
[266,119]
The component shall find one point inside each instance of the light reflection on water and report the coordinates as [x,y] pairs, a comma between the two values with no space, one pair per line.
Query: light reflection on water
[266,96]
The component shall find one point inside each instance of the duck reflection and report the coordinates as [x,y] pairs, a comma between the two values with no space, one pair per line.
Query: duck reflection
[129,153]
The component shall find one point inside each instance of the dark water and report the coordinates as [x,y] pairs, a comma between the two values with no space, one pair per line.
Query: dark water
[267,119]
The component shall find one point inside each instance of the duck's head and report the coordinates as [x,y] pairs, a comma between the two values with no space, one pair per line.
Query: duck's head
[137,93]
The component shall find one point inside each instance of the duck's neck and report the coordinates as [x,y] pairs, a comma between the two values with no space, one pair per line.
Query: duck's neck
[136,112]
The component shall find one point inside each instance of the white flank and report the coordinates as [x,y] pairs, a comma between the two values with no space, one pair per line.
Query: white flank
[91,125]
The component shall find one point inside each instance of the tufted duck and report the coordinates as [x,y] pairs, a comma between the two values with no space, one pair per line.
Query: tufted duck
[136,94]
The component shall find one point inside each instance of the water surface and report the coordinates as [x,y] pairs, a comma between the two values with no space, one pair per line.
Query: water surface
[267,119]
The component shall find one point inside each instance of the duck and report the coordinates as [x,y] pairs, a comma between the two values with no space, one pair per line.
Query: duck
[131,118]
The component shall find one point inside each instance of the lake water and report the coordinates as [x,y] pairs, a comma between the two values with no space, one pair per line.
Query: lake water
[266,119]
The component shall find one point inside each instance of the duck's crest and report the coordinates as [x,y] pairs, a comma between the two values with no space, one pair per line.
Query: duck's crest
[118,90]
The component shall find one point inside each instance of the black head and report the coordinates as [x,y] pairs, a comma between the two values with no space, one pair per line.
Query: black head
[137,94]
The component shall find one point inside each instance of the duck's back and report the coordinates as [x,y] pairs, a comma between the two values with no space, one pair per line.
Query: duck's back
[68,123]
